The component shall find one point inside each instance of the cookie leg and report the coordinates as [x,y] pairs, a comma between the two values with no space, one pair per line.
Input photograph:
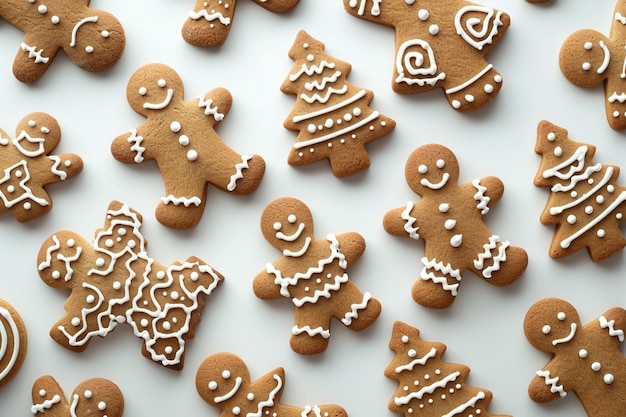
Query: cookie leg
[180,212]
[311,333]
[209,22]
[437,285]
[500,264]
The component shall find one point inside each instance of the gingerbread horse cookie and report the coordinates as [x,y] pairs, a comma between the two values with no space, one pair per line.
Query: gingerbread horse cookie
[209,22]
[115,281]
[95,397]
[179,135]
[587,360]
[449,219]
[588,58]
[223,380]
[312,272]
[28,166]
[441,44]
[93,39]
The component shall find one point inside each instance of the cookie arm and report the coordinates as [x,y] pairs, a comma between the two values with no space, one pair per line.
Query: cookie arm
[33,58]
[215,103]
[264,284]
[129,147]
[400,222]
[487,192]
[614,322]
[352,245]
[546,387]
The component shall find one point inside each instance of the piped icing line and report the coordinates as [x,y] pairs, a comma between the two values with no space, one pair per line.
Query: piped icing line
[158,106]
[553,382]
[313,69]
[610,325]
[27,192]
[423,76]
[47,404]
[285,282]
[607,177]
[74,404]
[306,143]
[353,314]
[35,54]
[324,99]
[294,236]
[49,251]
[575,179]
[297,330]
[177,201]
[567,338]
[621,97]
[409,225]
[469,403]
[301,251]
[607,58]
[68,262]
[239,167]
[492,20]
[565,243]
[577,157]
[429,389]
[486,254]
[210,17]
[480,197]
[231,393]
[271,397]
[375,10]
[329,109]
[317,85]
[620,18]
[55,167]
[419,361]
[436,186]
[469,82]
[497,260]
[210,111]
[136,145]
[317,412]
[446,269]
[90,19]
[15,350]
[325,292]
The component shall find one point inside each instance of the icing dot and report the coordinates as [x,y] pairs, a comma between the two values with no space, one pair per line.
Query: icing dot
[42,392]
[160,274]
[18,173]
[169,350]
[586,66]
[68,163]
[469,98]
[596,366]
[573,194]
[444,207]
[311,128]
[102,406]
[117,285]
[27,206]
[449,224]
[422,169]
[71,243]
[618,216]
[582,353]
[588,209]
[183,140]
[456,104]
[226,374]
[11,189]
[440,163]
[161,83]
[615,113]
[561,316]
[144,322]
[89,49]
[192,155]
[551,136]
[433,30]
[488,88]
[236,411]
[31,123]
[423,14]
[601,233]
[174,295]
[600,199]
[310,57]
[588,45]
[558,151]
[175,126]
[610,188]
[212,385]
[277,226]
[608,379]
[571,219]
[498,78]
[55,20]
[42,9]
[90,299]
[88,394]
[329,123]
[357,111]
[347,117]
[75,321]
[250,396]
[105,33]
[109,243]
[56,274]
[546,329]
[194,276]
[412,353]
[405,339]
[143,91]
[292,218]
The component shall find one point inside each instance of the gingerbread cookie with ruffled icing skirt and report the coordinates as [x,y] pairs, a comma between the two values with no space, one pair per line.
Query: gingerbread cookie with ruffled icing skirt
[449,219]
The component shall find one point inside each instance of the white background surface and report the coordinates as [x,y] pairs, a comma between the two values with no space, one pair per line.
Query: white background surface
[483,328]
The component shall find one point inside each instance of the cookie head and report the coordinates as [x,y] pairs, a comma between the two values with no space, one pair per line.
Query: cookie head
[220,377]
[153,87]
[585,58]
[98,397]
[37,134]
[97,41]
[431,168]
[551,322]
[287,224]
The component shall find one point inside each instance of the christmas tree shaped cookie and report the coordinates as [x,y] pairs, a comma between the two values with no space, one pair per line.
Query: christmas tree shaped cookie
[586,360]
[586,204]
[332,116]
[28,166]
[428,386]
[115,281]
[223,380]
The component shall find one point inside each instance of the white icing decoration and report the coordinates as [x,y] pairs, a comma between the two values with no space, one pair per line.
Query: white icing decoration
[301,251]
[553,382]
[610,325]
[470,403]
[296,330]
[429,389]
[329,109]
[35,54]
[353,314]
[90,19]
[163,104]
[409,226]
[607,58]
[136,140]
[55,167]
[292,237]
[470,81]
[232,392]
[239,167]
[4,342]
[270,400]
[20,170]
[480,197]
[177,201]
[567,338]
[419,361]
[436,186]
[445,269]
[210,17]
[325,292]
[487,27]
[25,136]
[409,64]
[210,111]
[47,404]
[375,9]
[497,260]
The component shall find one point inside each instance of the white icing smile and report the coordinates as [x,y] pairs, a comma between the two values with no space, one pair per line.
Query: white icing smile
[161,105]
[438,185]
[567,338]
[291,237]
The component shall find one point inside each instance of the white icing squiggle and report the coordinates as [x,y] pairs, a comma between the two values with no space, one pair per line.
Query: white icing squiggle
[406,60]
[610,325]
[560,209]
[317,412]
[553,382]
[419,361]
[324,99]
[325,292]
[232,184]
[478,38]
[270,400]
[429,389]
[177,201]
[35,54]
[446,269]
[136,145]
[374,115]
[313,69]
[409,226]
[42,407]
[329,109]
[51,249]
[470,403]
[483,200]
[316,85]
[354,313]
[210,17]
[208,110]
[55,167]
[296,330]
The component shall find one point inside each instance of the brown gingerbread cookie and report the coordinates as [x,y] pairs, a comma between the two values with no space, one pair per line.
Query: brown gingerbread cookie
[586,360]
[589,58]
[441,44]
[223,380]
[28,167]
[209,22]
[428,386]
[586,203]
[93,39]
[114,281]
[13,342]
[449,219]
[313,273]
[95,397]
[332,116]
[180,137]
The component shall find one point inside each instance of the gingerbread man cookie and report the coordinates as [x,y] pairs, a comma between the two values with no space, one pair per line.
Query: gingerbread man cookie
[92,38]
[586,360]
[95,397]
[13,342]
[313,273]
[28,166]
[179,135]
[441,44]
[588,58]
[449,218]
[209,22]
[332,116]
[115,281]
[223,380]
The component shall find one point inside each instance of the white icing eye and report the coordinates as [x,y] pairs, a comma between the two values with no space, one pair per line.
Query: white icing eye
[31,123]
[561,316]
[586,66]
[422,169]
[292,218]
[45,130]
[546,329]
[212,385]
[277,226]
[161,83]
[143,91]
[588,46]
[440,163]
[226,374]
[305,45]
[105,33]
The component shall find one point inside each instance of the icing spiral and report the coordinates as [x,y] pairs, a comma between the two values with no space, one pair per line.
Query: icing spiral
[478,25]
[415,64]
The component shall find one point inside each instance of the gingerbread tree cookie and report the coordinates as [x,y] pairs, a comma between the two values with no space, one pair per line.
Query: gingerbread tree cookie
[95,397]
[209,22]
[586,360]
[441,44]
[180,136]
[588,58]
[115,281]
[13,342]
[223,380]
[93,39]
[332,116]
[449,219]
[428,386]
[313,273]
[586,204]
[28,166]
